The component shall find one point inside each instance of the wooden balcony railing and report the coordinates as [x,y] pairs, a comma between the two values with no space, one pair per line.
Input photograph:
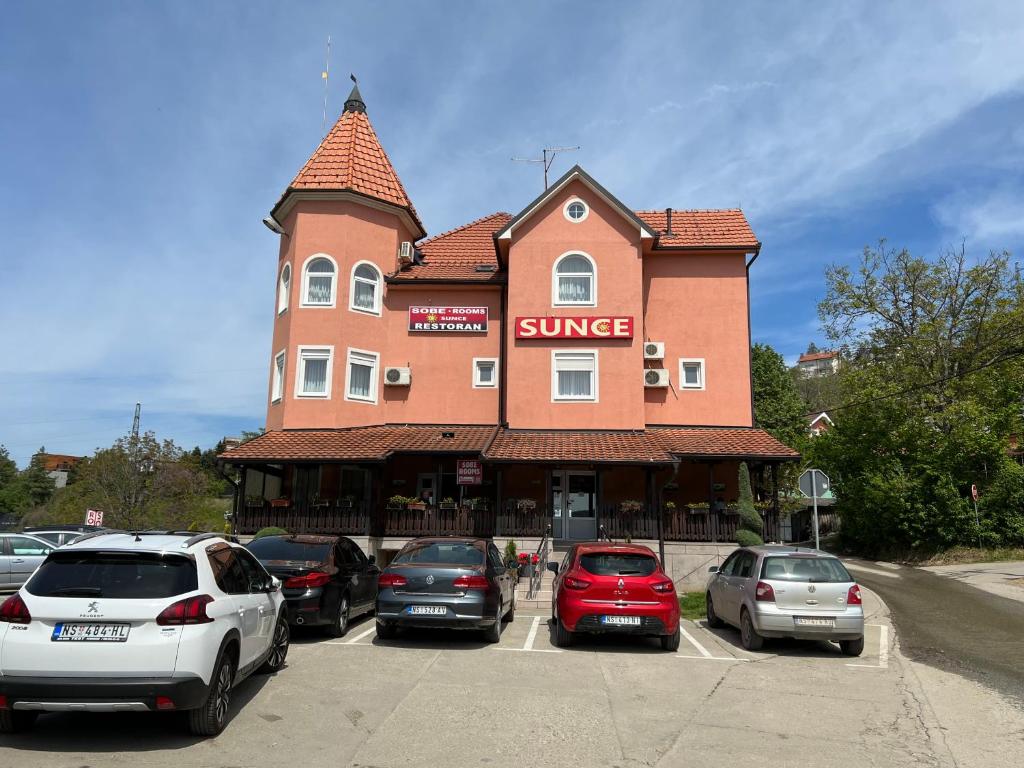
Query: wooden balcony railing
[304,517]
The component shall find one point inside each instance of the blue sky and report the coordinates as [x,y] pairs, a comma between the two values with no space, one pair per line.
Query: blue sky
[141,144]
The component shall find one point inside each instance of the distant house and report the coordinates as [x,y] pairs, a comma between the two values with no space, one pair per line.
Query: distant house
[818,363]
[58,466]
[819,424]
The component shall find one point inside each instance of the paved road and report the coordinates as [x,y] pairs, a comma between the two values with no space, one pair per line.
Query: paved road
[952,625]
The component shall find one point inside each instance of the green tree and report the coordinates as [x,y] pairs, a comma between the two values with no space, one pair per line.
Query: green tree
[38,484]
[931,388]
[778,407]
[749,532]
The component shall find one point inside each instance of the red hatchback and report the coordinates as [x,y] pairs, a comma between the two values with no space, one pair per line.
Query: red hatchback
[618,588]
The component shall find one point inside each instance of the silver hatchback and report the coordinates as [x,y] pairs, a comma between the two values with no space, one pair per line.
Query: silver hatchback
[772,591]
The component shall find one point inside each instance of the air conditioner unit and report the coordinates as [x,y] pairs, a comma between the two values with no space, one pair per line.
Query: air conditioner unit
[397,377]
[406,253]
[656,377]
[654,350]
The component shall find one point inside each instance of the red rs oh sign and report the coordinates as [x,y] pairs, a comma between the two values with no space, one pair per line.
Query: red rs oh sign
[574,327]
[441,319]
[470,472]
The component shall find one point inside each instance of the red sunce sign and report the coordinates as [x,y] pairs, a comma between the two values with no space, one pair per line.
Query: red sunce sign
[574,327]
[470,472]
[451,319]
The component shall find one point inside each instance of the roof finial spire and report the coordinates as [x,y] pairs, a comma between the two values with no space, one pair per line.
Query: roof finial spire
[354,102]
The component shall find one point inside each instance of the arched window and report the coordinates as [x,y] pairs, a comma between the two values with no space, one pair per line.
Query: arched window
[284,288]
[364,295]
[318,282]
[575,280]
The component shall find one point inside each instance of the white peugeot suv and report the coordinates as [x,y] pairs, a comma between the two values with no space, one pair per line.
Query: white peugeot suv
[139,621]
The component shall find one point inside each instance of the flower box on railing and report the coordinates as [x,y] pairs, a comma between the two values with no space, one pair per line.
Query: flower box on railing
[416,506]
[345,503]
[256,502]
[280,503]
[448,505]
[698,510]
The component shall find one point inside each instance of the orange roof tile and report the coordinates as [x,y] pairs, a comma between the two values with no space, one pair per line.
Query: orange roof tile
[374,443]
[456,254]
[702,229]
[808,357]
[727,442]
[351,158]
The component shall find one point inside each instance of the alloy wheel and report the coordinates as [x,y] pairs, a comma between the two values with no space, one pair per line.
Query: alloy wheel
[280,647]
[223,693]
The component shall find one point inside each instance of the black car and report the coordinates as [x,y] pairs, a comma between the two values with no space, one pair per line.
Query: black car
[452,582]
[325,579]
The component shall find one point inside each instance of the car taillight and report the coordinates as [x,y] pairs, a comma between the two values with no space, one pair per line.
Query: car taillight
[471,582]
[764,592]
[14,610]
[392,580]
[663,587]
[191,610]
[3,702]
[310,580]
[571,582]
[853,596]
[163,702]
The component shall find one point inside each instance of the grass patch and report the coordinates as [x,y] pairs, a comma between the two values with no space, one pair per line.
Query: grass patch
[958,555]
[692,605]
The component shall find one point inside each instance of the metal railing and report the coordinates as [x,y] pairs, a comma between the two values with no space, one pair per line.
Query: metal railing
[602,535]
[537,577]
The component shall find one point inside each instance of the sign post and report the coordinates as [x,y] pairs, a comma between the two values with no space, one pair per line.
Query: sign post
[469,472]
[94,517]
[977,520]
[814,483]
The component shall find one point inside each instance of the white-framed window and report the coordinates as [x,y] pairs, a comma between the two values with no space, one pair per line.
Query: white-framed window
[361,375]
[364,292]
[319,284]
[574,375]
[691,372]
[313,371]
[575,210]
[277,378]
[485,372]
[284,288]
[574,280]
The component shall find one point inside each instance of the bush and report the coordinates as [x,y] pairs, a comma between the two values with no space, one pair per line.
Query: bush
[271,531]
[1001,506]
[511,555]
[749,533]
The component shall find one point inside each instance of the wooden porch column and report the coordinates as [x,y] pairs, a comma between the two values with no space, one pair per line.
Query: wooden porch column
[239,504]
[598,498]
[776,515]
[712,514]
[499,499]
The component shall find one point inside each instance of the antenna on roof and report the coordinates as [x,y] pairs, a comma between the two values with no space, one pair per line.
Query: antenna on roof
[547,156]
[135,422]
[325,76]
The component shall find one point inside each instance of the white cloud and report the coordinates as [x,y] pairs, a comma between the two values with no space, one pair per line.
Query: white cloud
[989,218]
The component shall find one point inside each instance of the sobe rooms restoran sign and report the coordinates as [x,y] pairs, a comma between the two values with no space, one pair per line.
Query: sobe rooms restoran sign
[442,319]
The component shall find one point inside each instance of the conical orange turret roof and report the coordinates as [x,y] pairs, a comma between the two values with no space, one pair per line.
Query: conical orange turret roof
[351,158]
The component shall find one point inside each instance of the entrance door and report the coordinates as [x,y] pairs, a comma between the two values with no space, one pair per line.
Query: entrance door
[574,504]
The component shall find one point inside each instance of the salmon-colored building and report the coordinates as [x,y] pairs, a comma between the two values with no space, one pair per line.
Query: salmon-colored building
[578,367]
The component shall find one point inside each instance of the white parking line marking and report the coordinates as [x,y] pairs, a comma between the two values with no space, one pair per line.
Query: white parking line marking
[872,571]
[352,640]
[883,649]
[700,648]
[528,645]
[710,658]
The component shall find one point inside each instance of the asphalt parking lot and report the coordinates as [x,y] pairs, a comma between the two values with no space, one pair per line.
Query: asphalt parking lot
[433,698]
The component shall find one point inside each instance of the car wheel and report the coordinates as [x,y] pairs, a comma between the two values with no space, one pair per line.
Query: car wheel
[563,637]
[210,718]
[748,635]
[386,630]
[852,647]
[13,721]
[278,648]
[671,642]
[713,621]
[339,626]
[493,633]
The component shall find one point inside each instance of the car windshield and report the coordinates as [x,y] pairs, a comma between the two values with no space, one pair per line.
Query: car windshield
[809,569]
[274,548]
[53,536]
[115,575]
[440,553]
[616,564]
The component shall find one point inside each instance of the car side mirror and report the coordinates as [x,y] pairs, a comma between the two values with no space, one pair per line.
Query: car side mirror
[373,570]
[713,569]
[553,567]
[275,584]
[372,559]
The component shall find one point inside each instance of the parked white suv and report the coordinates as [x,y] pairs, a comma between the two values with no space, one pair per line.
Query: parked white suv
[149,621]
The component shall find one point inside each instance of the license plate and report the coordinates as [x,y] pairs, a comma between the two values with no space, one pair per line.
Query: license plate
[621,621]
[813,621]
[428,610]
[91,633]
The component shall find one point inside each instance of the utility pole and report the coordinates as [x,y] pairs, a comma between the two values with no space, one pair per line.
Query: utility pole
[547,157]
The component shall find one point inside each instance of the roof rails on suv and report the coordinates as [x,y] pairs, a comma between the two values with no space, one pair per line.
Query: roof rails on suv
[193,537]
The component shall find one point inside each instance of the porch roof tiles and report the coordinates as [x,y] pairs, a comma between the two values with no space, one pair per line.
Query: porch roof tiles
[656,445]
[374,443]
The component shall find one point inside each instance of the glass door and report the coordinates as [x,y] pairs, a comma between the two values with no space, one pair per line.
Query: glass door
[573,505]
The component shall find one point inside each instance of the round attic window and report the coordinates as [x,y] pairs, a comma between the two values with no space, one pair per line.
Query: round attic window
[576,210]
